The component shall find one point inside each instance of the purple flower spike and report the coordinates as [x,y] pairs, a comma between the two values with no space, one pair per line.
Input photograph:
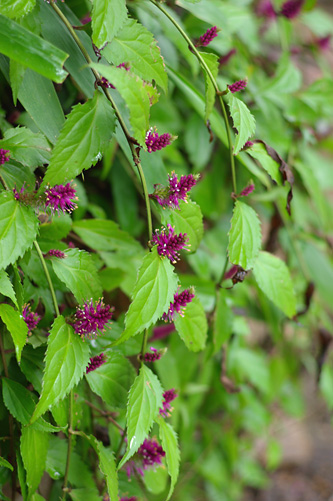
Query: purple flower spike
[266,9]
[207,37]
[155,355]
[17,194]
[151,453]
[132,498]
[178,190]
[56,253]
[237,86]
[155,142]
[89,318]
[169,243]
[4,156]
[247,145]
[179,304]
[168,396]
[247,190]
[106,84]
[95,362]
[61,198]
[225,59]
[324,42]
[291,8]
[30,318]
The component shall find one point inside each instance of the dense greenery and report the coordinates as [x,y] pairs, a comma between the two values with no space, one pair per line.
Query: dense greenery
[164,165]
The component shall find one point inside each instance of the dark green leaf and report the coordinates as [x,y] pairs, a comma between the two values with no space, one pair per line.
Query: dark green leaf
[34,444]
[16,325]
[170,446]
[193,327]
[30,149]
[4,462]
[6,287]
[107,466]
[16,175]
[16,74]
[107,18]
[243,121]
[212,61]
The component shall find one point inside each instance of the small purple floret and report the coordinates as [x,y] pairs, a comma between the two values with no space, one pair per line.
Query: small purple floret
[179,304]
[169,243]
[31,318]
[152,357]
[324,42]
[151,453]
[106,84]
[247,190]
[56,253]
[207,37]
[4,156]
[178,190]
[155,142]
[89,318]
[291,8]
[61,198]
[247,145]
[266,9]
[95,362]
[237,86]
[132,498]
[17,194]
[168,396]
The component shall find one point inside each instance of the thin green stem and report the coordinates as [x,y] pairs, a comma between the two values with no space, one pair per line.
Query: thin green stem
[48,278]
[121,444]
[214,83]
[144,346]
[70,442]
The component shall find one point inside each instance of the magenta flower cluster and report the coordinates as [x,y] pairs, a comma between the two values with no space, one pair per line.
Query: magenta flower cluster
[266,9]
[152,357]
[207,37]
[247,190]
[61,198]
[168,396]
[4,156]
[291,8]
[95,362]
[169,243]
[56,253]
[179,304]
[90,318]
[151,453]
[177,190]
[31,318]
[154,142]
[237,86]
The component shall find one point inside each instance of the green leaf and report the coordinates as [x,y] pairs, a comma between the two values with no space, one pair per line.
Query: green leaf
[26,48]
[136,95]
[107,18]
[113,380]
[259,152]
[16,175]
[244,236]
[30,149]
[243,121]
[16,8]
[212,62]
[82,139]
[16,325]
[193,327]
[144,401]
[78,272]
[222,327]
[16,74]
[6,287]
[186,220]
[273,278]
[84,494]
[170,446]
[18,229]
[4,462]
[107,466]
[153,292]
[32,365]
[34,445]
[135,45]
[67,357]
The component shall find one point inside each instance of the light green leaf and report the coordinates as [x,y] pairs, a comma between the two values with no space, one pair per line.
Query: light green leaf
[16,8]
[135,45]
[170,446]
[186,220]
[82,139]
[193,327]
[273,278]
[243,121]
[34,444]
[153,292]
[6,287]
[16,325]
[67,357]
[107,466]
[113,380]
[244,236]
[107,18]
[26,48]
[258,151]
[288,79]
[30,149]
[78,272]
[18,229]
[4,462]
[212,62]
[326,384]
[16,73]
[144,401]
[84,494]
[136,95]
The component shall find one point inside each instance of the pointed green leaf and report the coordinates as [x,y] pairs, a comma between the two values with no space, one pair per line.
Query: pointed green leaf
[107,18]
[259,152]
[243,121]
[34,445]
[172,455]
[107,466]
[4,462]
[113,380]
[152,294]
[16,325]
[78,272]
[16,74]
[18,229]
[16,8]
[67,357]
[144,401]
[135,45]
[273,278]
[244,236]
[30,149]
[26,48]
[82,140]
[186,220]
[192,327]
[6,287]
[212,62]
[136,95]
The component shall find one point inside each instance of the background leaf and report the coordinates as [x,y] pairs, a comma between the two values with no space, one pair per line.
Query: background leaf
[30,149]
[193,327]
[170,446]
[34,444]
[16,325]
[243,121]
[16,8]
[259,152]
[107,18]
[212,62]
[5,464]
[107,466]
[6,287]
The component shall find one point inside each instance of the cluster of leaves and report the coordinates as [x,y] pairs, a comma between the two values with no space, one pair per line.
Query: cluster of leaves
[259,262]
